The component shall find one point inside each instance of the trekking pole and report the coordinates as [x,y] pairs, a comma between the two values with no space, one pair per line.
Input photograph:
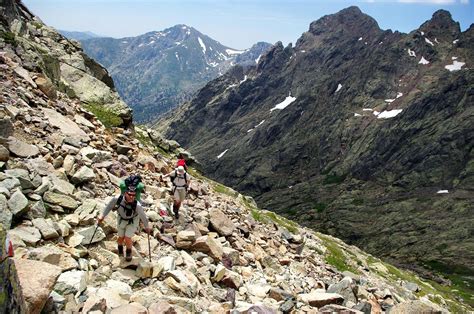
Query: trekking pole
[97,226]
[149,249]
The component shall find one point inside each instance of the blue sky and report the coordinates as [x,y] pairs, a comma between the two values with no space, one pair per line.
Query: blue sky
[235,23]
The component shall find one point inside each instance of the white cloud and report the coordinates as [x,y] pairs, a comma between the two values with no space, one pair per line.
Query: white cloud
[465,1]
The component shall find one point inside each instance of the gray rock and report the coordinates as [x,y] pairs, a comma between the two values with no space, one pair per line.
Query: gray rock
[29,235]
[344,288]
[58,185]
[64,124]
[71,282]
[221,223]
[88,232]
[5,214]
[46,228]
[60,199]
[10,183]
[22,175]
[18,203]
[22,149]
[4,153]
[84,174]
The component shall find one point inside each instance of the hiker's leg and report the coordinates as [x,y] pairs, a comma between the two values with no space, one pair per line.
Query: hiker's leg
[121,237]
[128,243]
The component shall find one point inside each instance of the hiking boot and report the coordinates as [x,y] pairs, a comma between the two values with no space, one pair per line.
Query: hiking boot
[128,255]
[120,250]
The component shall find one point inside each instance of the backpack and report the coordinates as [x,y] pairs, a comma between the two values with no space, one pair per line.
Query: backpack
[176,176]
[133,182]
[181,162]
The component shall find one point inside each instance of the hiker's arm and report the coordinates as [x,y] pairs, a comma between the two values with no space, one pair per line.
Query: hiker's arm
[142,215]
[108,208]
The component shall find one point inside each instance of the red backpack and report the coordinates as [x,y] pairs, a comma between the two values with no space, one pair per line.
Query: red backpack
[182,162]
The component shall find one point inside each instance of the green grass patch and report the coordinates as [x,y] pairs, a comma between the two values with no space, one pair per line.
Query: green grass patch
[9,38]
[37,25]
[333,179]
[335,256]
[430,288]
[106,116]
[268,217]
[219,188]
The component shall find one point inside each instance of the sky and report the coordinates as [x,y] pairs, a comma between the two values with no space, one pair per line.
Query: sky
[235,23]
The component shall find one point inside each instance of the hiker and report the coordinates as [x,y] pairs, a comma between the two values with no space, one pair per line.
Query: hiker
[181,180]
[130,212]
[181,162]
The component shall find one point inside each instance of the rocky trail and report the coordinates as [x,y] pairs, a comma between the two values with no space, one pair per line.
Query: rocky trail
[60,165]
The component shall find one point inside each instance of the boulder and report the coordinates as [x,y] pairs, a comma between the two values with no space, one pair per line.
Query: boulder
[46,228]
[320,298]
[220,222]
[22,149]
[71,282]
[18,203]
[33,282]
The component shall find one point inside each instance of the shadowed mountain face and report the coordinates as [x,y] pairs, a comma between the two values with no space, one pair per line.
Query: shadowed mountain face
[157,71]
[353,131]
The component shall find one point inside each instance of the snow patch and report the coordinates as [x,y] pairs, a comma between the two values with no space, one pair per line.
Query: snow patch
[245,78]
[442,192]
[455,41]
[399,95]
[454,58]
[360,38]
[261,122]
[177,56]
[202,45]
[285,103]
[429,41]
[213,64]
[388,114]
[456,66]
[339,86]
[124,42]
[422,33]
[389,100]
[423,61]
[411,53]
[367,109]
[151,42]
[234,52]
[222,154]
[357,115]
[258,59]
[141,45]
[376,113]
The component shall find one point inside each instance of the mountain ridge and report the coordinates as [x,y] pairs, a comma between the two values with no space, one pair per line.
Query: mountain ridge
[156,71]
[379,124]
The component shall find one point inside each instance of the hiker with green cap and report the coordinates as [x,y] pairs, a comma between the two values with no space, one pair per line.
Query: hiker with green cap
[130,212]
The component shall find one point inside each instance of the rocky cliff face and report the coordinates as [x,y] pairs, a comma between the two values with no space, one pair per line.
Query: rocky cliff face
[60,165]
[157,71]
[49,61]
[355,131]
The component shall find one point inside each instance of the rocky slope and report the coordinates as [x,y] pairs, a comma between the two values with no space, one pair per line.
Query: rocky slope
[60,165]
[362,133]
[157,71]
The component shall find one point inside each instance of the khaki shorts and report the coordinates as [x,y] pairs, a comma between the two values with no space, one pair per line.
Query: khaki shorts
[127,228]
[180,194]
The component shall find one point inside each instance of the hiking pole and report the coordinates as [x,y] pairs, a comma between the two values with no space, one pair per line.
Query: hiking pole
[97,226]
[149,249]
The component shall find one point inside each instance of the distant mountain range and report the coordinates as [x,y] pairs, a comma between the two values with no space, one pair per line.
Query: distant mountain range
[79,35]
[157,71]
[359,132]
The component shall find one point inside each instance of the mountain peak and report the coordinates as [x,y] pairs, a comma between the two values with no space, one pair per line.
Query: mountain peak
[441,23]
[350,20]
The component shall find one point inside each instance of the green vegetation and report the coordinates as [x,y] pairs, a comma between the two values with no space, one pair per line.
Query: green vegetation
[358,201]
[335,256]
[333,179]
[37,25]
[320,207]
[270,217]
[105,115]
[9,38]
[433,290]
[219,188]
